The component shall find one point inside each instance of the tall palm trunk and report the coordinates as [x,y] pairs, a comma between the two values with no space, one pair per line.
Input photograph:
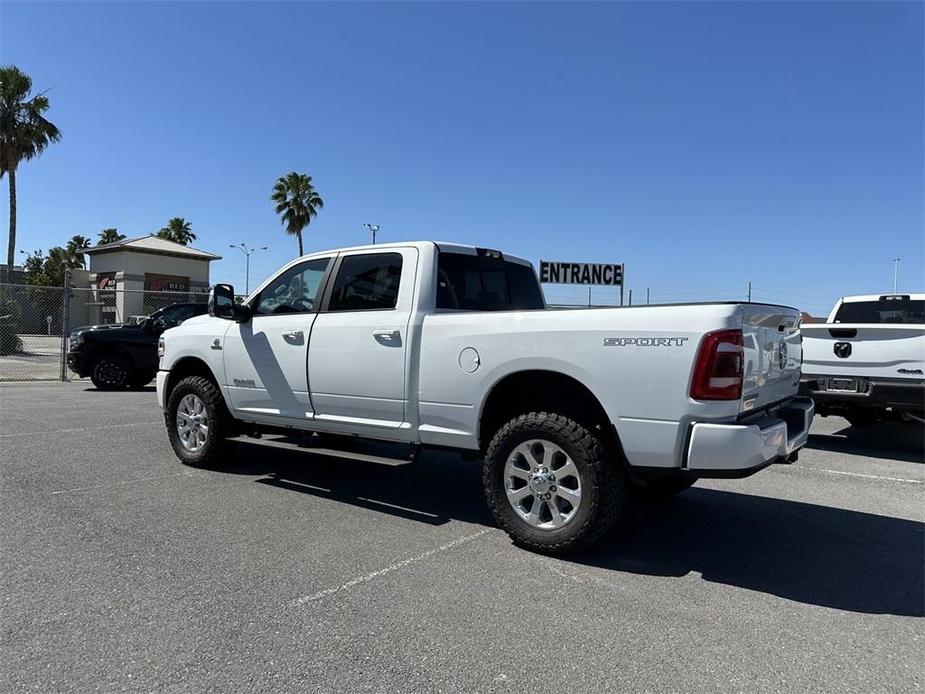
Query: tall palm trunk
[299,235]
[11,248]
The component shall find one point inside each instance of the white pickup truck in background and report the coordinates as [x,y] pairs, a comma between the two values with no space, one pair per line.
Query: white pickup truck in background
[866,363]
[413,345]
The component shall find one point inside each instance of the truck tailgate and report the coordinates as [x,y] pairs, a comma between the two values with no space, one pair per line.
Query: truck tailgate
[871,350]
[773,354]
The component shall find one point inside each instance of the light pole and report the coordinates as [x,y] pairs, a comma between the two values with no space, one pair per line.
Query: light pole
[373,228]
[247,263]
[895,273]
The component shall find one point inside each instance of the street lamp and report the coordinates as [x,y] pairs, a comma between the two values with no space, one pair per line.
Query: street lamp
[247,265]
[373,228]
[895,273]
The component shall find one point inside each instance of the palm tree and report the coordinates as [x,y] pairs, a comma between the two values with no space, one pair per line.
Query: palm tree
[75,249]
[177,230]
[109,236]
[297,202]
[24,134]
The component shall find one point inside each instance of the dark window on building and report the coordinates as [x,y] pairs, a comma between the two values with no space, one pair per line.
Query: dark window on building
[476,283]
[367,282]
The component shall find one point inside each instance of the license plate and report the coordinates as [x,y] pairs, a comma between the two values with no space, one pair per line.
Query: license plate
[845,385]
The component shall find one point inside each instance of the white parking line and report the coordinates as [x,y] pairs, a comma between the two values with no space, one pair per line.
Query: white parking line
[121,483]
[68,431]
[388,569]
[871,477]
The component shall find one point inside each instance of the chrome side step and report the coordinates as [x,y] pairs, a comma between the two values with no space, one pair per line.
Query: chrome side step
[307,445]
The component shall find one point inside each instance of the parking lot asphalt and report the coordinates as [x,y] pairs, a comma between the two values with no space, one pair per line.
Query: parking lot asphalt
[122,570]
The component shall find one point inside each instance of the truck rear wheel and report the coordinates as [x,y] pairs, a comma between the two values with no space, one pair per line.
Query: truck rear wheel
[549,484]
[198,422]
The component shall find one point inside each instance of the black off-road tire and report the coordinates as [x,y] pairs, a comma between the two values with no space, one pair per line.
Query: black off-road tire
[221,424]
[601,475]
[660,489]
[111,372]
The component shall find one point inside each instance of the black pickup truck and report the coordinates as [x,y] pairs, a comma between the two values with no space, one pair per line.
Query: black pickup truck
[125,354]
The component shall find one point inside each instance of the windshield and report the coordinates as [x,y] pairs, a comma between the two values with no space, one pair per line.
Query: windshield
[885,310]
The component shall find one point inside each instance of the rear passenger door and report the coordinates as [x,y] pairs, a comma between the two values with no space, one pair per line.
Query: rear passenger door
[358,346]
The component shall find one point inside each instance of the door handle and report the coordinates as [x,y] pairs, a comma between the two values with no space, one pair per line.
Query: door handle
[292,335]
[385,334]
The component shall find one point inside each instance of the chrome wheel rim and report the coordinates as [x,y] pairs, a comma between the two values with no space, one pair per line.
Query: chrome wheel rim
[542,484]
[192,423]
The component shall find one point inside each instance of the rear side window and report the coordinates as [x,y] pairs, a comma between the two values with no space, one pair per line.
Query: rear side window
[367,282]
[886,310]
[476,283]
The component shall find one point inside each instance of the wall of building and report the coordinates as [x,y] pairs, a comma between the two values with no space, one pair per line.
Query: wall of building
[131,268]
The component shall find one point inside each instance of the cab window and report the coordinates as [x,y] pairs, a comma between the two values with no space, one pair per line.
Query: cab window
[367,282]
[172,316]
[294,291]
[473,283]
[889,309]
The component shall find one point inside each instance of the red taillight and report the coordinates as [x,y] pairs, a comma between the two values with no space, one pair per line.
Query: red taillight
[718,371]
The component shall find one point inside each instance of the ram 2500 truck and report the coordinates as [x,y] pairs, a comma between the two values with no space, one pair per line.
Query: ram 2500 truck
[429,344]
[866,363]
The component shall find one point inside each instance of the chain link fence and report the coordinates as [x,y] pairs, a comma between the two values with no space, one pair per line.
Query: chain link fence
[35,323]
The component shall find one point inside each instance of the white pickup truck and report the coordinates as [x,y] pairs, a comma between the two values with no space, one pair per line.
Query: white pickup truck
[429,344]
[867,361]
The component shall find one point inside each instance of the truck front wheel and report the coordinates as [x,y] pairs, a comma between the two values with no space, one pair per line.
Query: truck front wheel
[111,372]
[549,483]
[198,422]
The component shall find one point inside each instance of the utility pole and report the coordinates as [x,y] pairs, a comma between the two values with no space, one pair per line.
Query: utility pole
[589,296]
[749,291]
[896,274]
[373,228]
[247,263]
[631,297]
[647,296]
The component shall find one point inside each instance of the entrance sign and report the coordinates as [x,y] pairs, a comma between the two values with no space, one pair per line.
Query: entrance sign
[608,274]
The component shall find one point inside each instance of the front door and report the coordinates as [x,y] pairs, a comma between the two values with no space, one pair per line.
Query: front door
[356,357]
[265,359]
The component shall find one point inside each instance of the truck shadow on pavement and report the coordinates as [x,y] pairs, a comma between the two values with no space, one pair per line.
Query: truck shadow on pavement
[888,440]
[831,557]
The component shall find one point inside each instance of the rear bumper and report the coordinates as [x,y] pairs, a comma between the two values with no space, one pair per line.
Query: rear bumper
[879,393]
[741,449]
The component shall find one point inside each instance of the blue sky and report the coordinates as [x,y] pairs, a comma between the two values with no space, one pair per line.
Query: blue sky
[705,145]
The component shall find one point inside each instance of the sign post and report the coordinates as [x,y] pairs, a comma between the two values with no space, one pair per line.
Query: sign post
[606,274]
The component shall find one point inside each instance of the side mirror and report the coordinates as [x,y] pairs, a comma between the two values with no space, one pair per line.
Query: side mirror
[221,301]
[222,304]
